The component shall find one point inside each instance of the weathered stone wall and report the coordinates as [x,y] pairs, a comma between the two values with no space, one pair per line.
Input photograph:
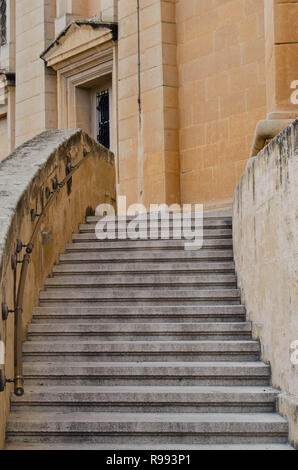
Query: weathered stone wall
[24,177]
[222,93]
[265,231]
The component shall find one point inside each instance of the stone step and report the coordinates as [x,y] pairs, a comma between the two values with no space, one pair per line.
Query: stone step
[137,297]
[141,245]
[148,399]
[139,331]
[145,343]
[150,235]
[208,224]
[152,216]
[145,280]
[126,351]
[208,234]
[125,447]
[185,314]
[174,268]
[154,373]
[193,428]
[149,255]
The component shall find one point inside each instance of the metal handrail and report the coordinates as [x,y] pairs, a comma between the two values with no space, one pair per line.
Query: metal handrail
[18,359]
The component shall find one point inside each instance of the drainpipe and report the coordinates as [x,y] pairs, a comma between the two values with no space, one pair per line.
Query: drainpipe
[140,137]
[267,130]
[139,59]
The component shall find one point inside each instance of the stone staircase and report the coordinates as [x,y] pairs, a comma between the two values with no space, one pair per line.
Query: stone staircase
[143,345]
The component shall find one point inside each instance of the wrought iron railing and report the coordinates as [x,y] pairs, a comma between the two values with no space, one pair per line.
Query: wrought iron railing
[20,289]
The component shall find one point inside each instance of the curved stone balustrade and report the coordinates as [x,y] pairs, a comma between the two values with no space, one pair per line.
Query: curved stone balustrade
[25,176]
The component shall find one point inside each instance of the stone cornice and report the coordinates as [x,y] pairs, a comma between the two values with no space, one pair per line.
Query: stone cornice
[54,53]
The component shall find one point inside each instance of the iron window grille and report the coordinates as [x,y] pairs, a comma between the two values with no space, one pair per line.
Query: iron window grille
[103,113]
[3,20]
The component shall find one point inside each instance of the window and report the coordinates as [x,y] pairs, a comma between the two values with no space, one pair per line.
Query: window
[103,118]
[2,22]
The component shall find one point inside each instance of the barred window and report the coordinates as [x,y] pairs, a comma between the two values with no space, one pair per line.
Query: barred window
[103,110]
[2,22]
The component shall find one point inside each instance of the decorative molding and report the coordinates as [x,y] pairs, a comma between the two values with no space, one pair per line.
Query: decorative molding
[103,32]
[80,56]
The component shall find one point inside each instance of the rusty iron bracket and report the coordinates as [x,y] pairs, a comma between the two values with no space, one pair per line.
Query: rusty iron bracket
[14,258]
[4,381]
[56,184]
[20,246]
[34,215]
[69,168]
[48,192]
[5,311]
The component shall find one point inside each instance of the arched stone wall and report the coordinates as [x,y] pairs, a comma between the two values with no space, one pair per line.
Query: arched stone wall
[24,177]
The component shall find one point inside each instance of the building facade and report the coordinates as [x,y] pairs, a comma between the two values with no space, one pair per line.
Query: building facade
[175,88]
[183,92]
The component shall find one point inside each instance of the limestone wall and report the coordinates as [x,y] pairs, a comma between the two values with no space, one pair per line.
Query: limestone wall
[281,33]
[109,10]
[149,167]
[7,51]
[70,10]
[210,70]
[3,137]
[265,231]
[36,89]
[24,177]
[222,93]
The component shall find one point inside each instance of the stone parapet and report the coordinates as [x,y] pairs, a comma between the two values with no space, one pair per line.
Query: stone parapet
[25,176]
[266,255]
